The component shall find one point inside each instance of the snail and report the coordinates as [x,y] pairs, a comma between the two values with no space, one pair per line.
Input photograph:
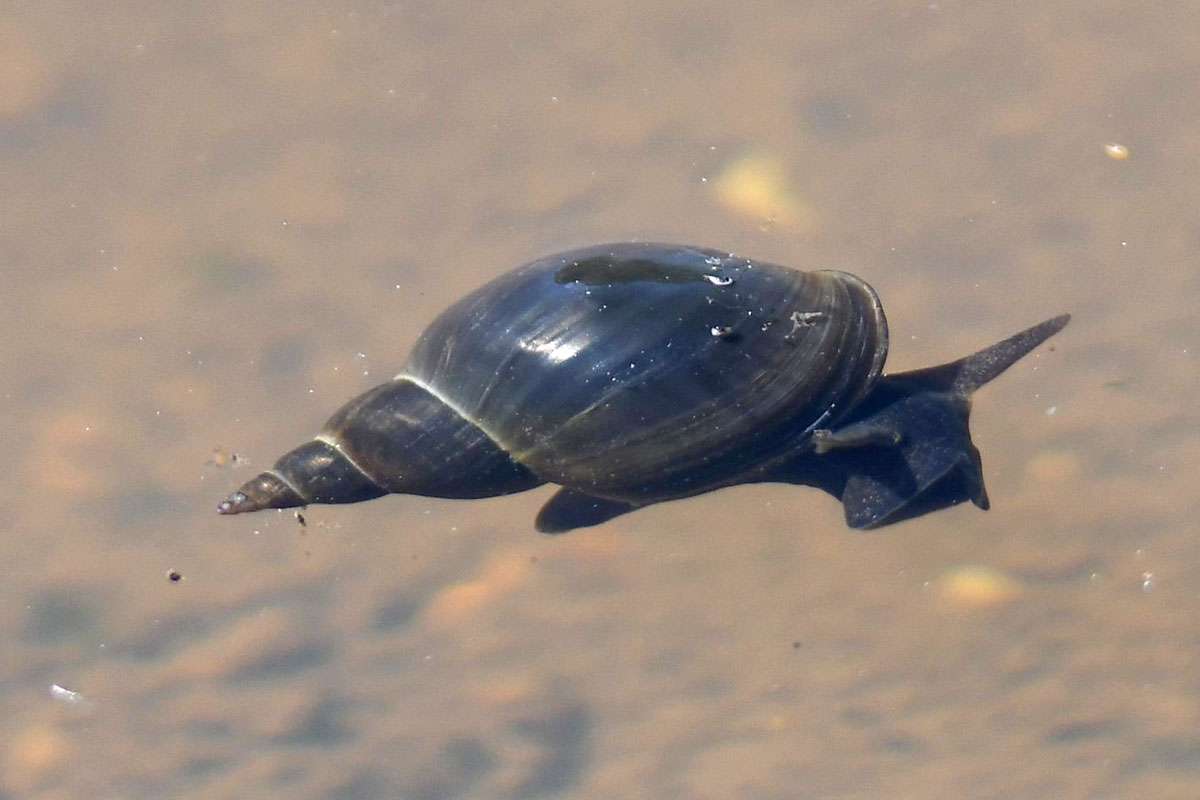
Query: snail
[631,374]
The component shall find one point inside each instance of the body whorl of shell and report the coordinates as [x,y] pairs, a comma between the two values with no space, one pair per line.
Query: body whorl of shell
[641,372]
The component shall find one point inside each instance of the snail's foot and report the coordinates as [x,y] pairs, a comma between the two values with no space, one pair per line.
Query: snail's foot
[569,509]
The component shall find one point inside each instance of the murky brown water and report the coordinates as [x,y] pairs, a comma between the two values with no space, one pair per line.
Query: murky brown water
[219,223]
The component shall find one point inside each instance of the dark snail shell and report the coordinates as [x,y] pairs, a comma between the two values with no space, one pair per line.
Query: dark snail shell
[640,378]
[634,373]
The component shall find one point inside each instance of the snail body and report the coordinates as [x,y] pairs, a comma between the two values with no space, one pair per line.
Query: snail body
[630,374]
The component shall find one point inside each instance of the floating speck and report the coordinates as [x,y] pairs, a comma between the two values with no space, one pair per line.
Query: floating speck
[804,319]
[718,280]
[221,458]
[1115,151]
[64,695]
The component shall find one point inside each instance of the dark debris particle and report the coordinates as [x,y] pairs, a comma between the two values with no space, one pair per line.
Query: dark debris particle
[174,576]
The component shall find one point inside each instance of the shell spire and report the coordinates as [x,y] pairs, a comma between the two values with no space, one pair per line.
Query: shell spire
[315,472]
[397,437]
[268,490]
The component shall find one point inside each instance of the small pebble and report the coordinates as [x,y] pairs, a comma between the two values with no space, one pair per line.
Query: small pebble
[459,601]
[973,586]
[31,756]
[1053,465]
[1117,152]
[756,185]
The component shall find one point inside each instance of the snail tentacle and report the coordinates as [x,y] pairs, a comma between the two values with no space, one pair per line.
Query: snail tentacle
[868,433]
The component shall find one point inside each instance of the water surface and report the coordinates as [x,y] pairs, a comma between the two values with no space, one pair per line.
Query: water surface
[220,223]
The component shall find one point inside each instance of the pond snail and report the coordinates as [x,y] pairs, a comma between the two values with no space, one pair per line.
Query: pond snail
[630,374]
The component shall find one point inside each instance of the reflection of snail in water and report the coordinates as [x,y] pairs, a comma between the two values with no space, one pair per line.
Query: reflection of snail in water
[630,374]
